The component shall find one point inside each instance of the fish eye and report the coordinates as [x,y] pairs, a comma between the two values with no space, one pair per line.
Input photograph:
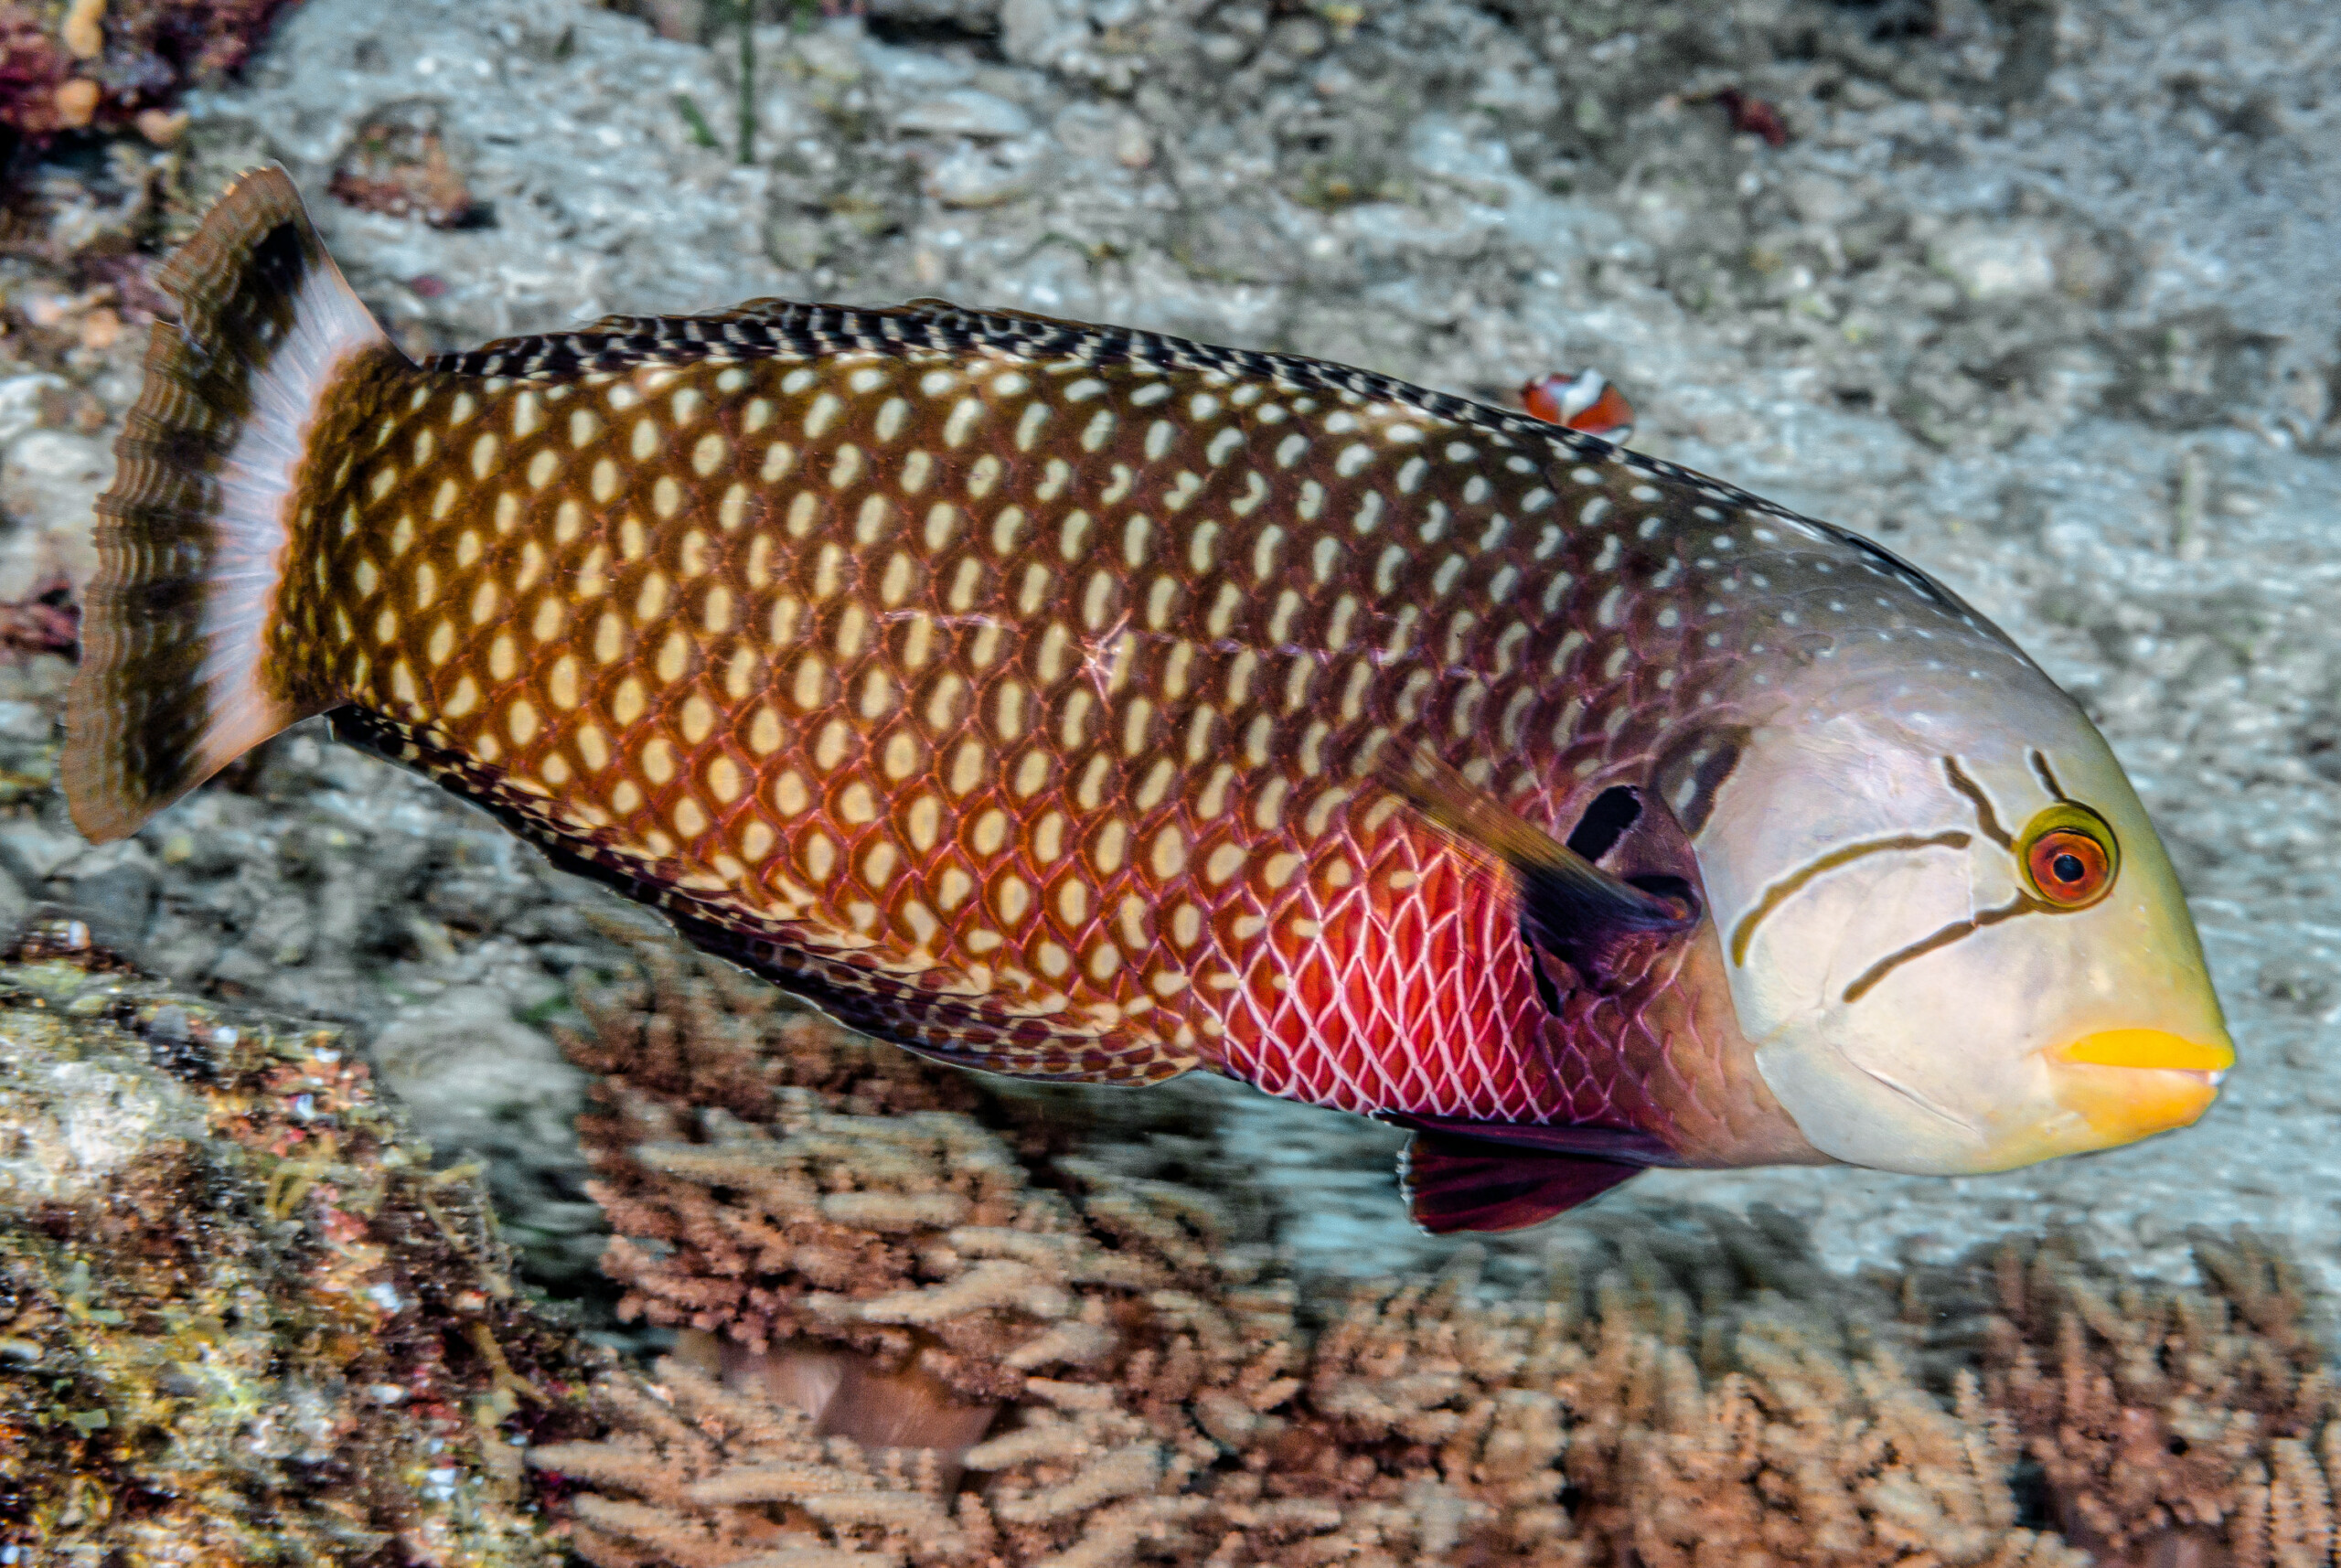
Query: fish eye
[2070,856]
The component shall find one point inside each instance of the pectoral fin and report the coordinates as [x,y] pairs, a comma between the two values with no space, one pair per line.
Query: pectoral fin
[1570,906]
[1466,1184]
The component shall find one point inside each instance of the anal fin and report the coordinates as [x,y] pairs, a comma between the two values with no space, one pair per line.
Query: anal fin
[1455,1184]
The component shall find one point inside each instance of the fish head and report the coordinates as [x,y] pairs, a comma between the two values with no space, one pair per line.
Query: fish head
[1951,935]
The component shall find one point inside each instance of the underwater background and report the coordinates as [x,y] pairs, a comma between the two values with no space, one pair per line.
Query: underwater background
[2043,296]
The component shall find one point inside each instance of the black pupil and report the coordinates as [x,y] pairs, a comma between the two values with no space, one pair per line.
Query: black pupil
[2068,867]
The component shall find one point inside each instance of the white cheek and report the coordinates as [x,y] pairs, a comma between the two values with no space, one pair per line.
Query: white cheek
[1834,935]
[1864,1120]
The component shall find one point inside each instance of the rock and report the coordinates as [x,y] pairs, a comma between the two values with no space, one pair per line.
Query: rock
[33,851]
[965,111]
[1479,167]
[1822,199]
[113,889]
[1104,133]
[27,721]
[241,1315]
[1992,264]
[480,1082]
[975,14]
[2192,369]
[75,1125]
[22,402]
[49,482]
[1044,33]
[398,163]
[987,177]
[15,905]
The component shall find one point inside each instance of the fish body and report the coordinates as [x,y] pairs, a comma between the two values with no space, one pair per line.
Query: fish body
[1079,703]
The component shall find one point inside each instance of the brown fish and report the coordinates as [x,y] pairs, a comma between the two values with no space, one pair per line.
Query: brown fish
[1079,702]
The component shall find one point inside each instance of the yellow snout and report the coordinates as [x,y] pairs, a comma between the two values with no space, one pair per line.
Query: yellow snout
[2127,1083]
[2112,1088]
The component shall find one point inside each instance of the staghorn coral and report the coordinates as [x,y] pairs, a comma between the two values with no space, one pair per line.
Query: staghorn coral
[241,1319]
[720,1475]
[774,1180]
[2170,1425]
[857,1261]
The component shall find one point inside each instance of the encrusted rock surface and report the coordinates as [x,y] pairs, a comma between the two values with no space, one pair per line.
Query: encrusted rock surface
[2039,294]
[244,1319]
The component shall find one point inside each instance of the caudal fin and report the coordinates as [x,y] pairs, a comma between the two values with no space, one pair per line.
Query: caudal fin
[176,678]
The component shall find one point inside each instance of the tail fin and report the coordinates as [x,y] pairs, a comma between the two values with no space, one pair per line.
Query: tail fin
[176,679]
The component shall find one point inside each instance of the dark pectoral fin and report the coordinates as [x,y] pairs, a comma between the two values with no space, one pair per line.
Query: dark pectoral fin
[1569,905]
[1464,1184]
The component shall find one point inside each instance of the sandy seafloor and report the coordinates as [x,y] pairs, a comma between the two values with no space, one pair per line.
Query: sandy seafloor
[2048,298]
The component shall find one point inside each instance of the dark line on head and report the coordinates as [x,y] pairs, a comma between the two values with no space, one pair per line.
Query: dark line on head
[1985,818]
[1957,931]
[1780,891]
[2047,779]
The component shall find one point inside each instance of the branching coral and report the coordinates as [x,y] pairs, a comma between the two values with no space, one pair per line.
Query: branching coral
[844,1242]
[2170,1425]
[1424,1425]
[723,1477]
[780,1185]
[1746,1429]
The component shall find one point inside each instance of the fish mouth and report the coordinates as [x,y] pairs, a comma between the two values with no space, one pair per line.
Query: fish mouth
[2128,1083]
[2148,1048]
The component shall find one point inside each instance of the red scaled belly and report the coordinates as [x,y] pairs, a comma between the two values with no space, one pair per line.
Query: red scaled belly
[1410,991]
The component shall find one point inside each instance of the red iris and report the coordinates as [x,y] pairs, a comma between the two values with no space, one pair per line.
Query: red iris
[2069,867]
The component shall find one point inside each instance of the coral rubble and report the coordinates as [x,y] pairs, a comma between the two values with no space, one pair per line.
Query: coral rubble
[243,1320]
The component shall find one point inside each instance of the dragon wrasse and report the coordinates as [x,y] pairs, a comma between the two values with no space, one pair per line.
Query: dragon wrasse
[1079,703]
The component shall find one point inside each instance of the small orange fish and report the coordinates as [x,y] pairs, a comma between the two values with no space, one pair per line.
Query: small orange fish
[1585,401]
[1079,702]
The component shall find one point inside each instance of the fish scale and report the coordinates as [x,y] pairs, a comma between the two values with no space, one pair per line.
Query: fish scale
[1054,673]
[1081,702]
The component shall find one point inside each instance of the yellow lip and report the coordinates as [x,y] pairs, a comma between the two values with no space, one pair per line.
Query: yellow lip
[2129,1083]
[2147,1048]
